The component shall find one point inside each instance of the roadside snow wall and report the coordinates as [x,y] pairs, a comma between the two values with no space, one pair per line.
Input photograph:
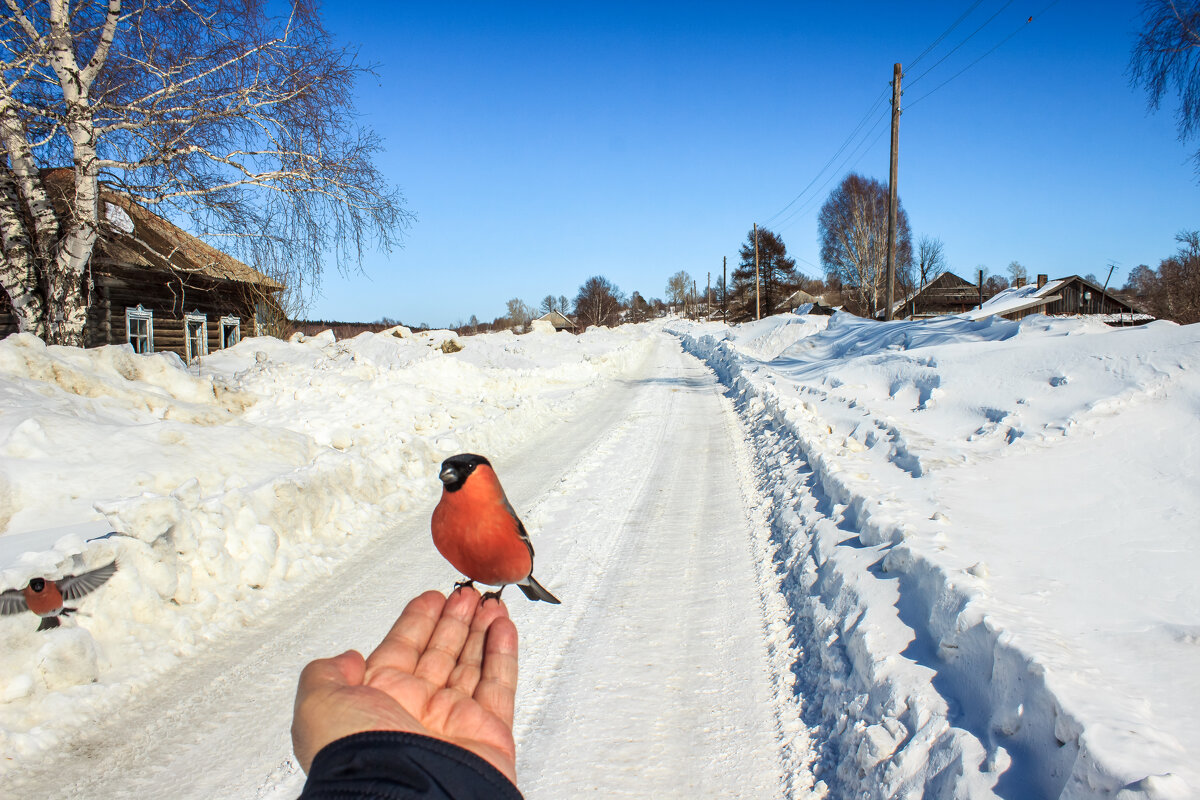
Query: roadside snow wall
[233,483]
[917,682]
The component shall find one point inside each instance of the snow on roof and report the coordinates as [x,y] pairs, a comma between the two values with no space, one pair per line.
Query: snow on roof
[1017,298]
[558,318]
[135,236]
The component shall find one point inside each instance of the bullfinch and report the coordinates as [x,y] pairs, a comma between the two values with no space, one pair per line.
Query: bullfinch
[48,599]
[477,530]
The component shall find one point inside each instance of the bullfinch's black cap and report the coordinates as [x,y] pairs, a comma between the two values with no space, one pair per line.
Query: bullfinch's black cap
[456,469]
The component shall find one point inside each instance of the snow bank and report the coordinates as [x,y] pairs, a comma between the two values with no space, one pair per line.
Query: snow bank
[232,482]
[986,531]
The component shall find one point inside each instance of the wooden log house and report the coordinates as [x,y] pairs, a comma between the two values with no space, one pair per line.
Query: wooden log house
[155,286]
[1076,296]
[945,294]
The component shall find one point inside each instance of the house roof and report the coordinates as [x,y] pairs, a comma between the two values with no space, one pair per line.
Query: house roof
[796,298]
[133,235]
[558,320]
[945,279]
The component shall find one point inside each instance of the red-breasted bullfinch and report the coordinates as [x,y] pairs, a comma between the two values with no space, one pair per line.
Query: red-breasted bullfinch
[477,530]
[48,599]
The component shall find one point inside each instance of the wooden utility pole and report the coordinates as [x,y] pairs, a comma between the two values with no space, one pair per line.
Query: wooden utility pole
[724,292]
[892,203]
[981,288]
[757,279]
[708,296]
[695,302]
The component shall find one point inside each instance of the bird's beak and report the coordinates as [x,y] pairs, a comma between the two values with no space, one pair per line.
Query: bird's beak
[448,475]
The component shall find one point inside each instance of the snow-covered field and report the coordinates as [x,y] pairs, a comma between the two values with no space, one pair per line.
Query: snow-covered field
[990,532]
[948,558]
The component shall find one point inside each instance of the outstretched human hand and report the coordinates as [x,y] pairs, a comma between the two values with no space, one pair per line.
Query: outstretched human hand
[447,669]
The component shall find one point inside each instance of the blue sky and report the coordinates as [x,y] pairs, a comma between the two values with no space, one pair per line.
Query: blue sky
[539,144]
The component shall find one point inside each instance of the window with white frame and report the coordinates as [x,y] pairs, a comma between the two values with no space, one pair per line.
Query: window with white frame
[195,335]
[231,331]
[139,329]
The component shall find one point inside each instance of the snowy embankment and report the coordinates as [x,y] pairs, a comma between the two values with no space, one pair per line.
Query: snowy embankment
[987,532]
[233,484]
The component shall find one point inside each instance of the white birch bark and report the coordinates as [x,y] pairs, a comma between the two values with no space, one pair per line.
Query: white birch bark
[64,284]
[18,272]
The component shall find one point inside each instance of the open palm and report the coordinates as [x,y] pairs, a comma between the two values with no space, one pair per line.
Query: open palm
[447,669]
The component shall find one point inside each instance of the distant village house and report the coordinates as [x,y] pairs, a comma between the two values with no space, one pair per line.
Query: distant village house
[158,288]
[560,321]
[945,294]
[1070,296]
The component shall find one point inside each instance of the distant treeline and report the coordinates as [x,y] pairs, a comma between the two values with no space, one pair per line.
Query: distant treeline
[341,330]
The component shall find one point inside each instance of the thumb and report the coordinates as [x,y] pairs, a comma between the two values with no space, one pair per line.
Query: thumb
[319,682]
[348,669]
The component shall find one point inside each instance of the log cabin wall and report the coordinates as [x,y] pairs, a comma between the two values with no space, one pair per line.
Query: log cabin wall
[946,294]
[1072,301]
[169,297]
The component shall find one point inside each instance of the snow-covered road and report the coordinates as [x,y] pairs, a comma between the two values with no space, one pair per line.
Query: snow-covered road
[830,558]
[657,677]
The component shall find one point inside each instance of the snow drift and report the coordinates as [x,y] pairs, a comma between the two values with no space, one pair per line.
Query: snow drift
[984,530]
[231,483]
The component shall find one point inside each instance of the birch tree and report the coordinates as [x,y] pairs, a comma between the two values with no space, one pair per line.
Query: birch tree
[852,228]
[679,286]
[230,121]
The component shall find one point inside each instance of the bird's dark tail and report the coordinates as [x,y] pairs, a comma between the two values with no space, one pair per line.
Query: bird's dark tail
[48,623]
[535,591]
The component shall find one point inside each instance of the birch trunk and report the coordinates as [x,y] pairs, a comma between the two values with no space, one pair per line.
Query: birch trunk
[18,272]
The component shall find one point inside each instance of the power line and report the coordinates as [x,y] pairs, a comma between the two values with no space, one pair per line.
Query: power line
[858,151]
[832,158]
[994,48]
[913,62]
[855,156]
[882,98]
[960,44]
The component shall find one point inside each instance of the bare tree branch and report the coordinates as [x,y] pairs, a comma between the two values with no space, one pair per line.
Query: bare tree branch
[226,119]
[852,227]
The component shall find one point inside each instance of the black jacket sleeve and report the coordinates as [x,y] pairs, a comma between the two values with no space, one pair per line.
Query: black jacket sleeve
[389,765]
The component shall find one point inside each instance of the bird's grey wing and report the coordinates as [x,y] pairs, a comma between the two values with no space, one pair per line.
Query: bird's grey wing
[520,526]
[74,587]
[12,601]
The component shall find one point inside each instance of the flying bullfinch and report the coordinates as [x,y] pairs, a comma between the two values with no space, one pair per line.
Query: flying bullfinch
[477,530]
[48,599]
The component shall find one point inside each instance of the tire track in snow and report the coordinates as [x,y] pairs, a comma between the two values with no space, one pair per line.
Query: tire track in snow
[663,685]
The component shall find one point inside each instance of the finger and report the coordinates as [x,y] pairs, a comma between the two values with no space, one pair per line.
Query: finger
[402,647]
[498,683]
[465,676]
[449,636]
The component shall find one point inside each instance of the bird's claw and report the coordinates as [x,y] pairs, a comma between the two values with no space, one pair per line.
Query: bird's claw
[467,584]
[492,595]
